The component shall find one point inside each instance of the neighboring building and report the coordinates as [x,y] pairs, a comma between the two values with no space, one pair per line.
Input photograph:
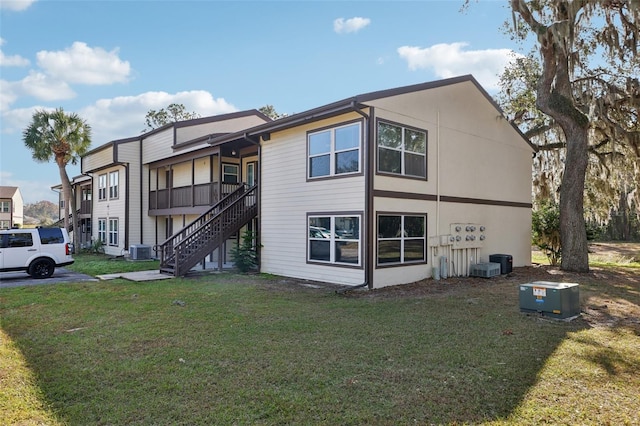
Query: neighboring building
[11,207]
[147,187]
[374,190]
[82,190]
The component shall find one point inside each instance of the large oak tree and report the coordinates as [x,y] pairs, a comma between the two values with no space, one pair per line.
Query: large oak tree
[588,86]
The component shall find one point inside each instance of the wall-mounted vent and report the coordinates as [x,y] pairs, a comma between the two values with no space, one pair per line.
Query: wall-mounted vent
[140,252]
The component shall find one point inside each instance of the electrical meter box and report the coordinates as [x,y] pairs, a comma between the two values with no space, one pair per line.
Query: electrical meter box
[555,300]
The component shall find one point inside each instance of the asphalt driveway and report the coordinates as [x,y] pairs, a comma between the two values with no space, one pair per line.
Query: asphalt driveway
[61,275]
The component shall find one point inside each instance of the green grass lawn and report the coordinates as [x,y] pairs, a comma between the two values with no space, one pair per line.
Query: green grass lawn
[231,349]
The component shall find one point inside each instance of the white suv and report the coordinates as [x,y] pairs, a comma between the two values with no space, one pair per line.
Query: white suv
[37,251]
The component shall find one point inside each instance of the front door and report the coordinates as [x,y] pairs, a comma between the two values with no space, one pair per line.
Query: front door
[251,177]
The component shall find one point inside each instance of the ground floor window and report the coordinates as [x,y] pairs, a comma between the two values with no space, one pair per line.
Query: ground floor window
[401,238]
[113,232]
[4,224]
[102,230]
[334,239]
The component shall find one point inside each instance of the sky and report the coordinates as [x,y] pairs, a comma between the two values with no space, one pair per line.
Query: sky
[113,61]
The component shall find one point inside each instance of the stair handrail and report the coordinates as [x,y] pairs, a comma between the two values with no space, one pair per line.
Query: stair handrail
[216,229]
[166,248]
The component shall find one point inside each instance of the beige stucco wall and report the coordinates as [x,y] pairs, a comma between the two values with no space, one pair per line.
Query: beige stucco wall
[473,153]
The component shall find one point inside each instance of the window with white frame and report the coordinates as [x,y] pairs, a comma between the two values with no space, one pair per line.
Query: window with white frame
[401,239]
[102,230]
[113,184]
[102,187]
[62,204]
[334,151]
[4,224]
[5,206]
[402,150]
[113,231]
[334,239]
[230,173]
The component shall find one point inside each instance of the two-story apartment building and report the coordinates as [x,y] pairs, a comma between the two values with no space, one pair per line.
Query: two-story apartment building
[147,187]
[378,189]
[11,207]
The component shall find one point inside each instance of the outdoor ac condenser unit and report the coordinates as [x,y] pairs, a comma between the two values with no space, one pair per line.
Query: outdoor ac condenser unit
[485,270]
[140,252]
[555,300]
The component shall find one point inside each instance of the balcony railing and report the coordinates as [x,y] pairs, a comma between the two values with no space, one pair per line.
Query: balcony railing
[205,194]
[85,207]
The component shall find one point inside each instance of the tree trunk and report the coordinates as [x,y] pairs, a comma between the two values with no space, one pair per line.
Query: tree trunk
[69,204]
[66,193]
[573,230]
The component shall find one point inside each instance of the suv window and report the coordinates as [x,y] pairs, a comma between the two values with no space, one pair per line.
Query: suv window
[19,240]
[51,236]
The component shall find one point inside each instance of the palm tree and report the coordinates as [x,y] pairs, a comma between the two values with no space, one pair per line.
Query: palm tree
[63,138]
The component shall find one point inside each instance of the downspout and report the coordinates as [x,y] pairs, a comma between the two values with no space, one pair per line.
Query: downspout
[258,179]
[368,203]
[437,173]
[126,208]
[141,195]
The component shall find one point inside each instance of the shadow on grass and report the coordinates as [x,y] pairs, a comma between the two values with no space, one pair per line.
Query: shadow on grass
[249,350]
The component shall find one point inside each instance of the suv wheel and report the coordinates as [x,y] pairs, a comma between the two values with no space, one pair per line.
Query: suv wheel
[41,268]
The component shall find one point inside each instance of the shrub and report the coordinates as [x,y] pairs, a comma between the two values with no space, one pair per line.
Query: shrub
[545,225]
[244,254]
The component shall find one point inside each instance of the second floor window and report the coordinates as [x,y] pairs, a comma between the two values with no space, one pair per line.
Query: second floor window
[5,206]
[334,151]
[402,150]
[102,187]
[113,184]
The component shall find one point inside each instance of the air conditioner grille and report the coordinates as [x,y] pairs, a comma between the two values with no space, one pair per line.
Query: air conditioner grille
[140,252]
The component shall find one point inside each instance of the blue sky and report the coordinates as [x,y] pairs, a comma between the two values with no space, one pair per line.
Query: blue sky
[113,61]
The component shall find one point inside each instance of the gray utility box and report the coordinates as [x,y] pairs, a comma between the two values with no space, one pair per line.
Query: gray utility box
[505,261]
[484,270]
[555,300]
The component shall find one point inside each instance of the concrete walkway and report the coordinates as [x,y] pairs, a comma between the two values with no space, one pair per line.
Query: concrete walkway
[155,274]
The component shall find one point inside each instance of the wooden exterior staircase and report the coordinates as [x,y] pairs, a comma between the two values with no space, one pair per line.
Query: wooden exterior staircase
[185,249]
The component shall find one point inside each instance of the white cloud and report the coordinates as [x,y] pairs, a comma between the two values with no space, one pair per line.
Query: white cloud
[124,116]
[12,60]
[350,25]
[13,121]
[83,64]
[8,95]
[450,60]
[16,5]
[44,87]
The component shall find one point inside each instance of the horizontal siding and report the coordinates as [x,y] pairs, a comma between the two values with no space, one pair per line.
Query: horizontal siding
[130,152]
[287,198]
[98,159]
[111,208]
[185,134]
[157,146]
